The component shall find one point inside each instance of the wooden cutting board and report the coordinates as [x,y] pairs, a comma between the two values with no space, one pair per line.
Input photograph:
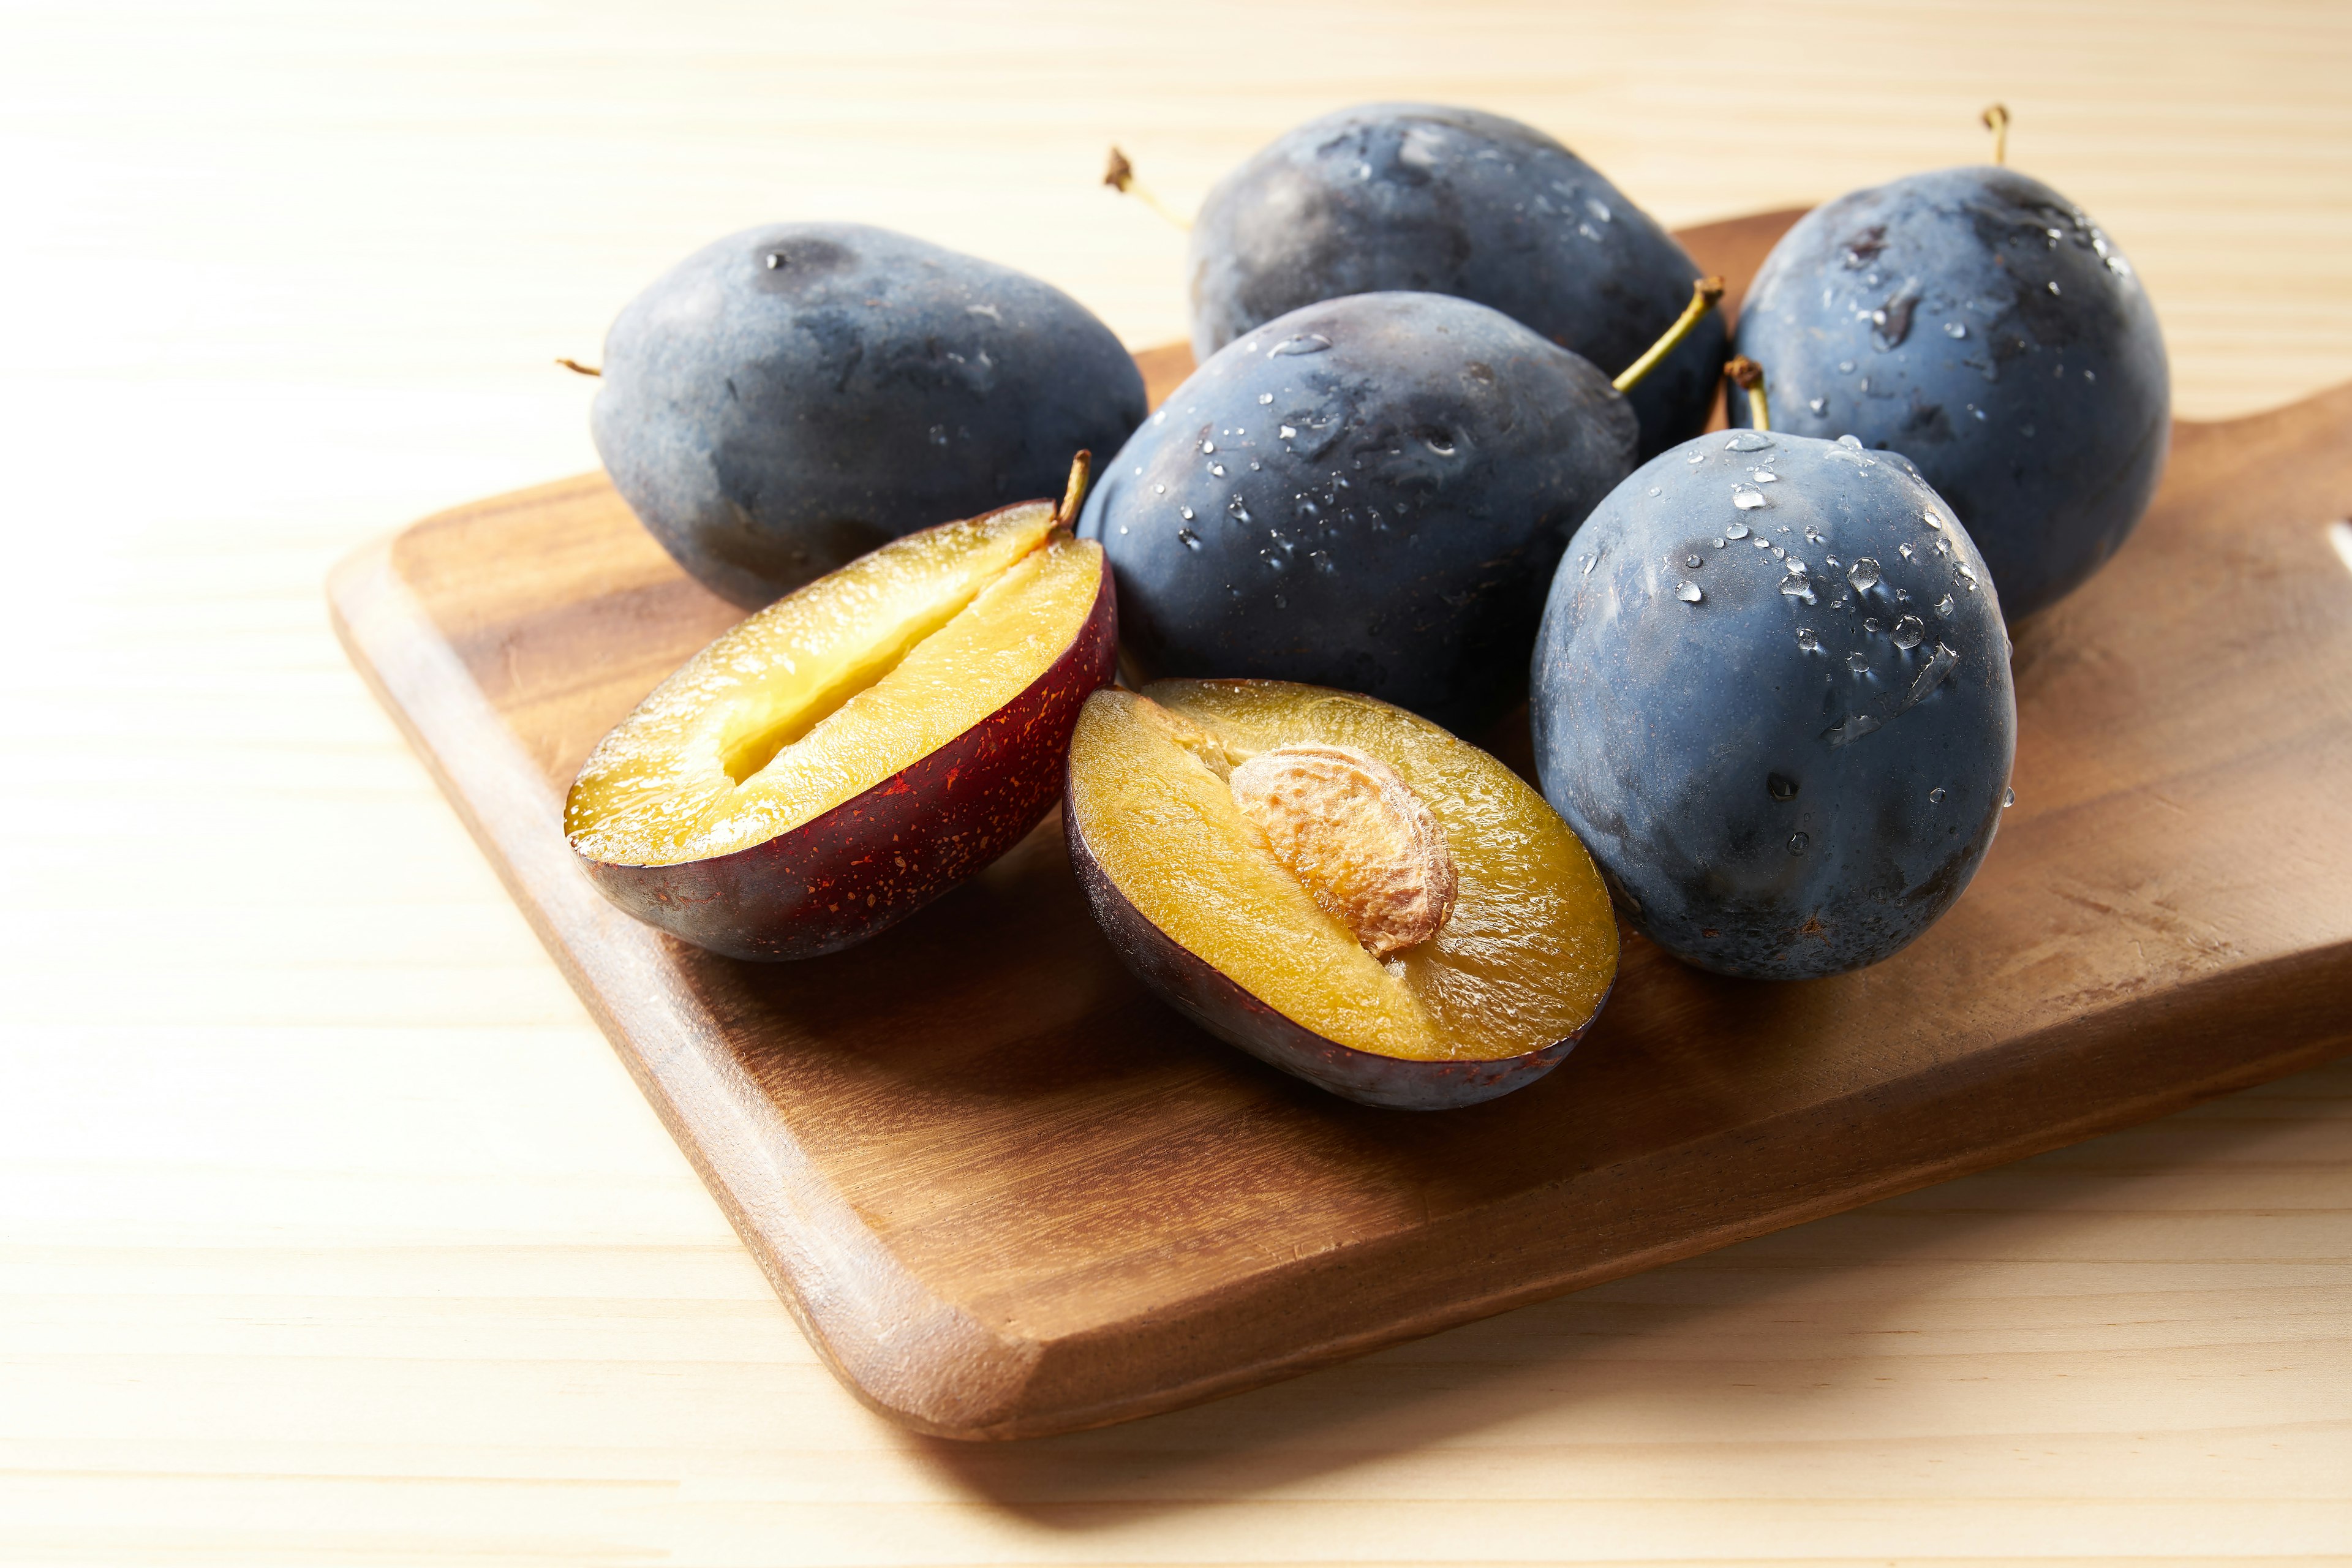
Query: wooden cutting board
[1006,1193]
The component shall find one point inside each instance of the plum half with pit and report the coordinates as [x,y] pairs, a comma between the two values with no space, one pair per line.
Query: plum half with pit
[1424,198]
[840,759]
[1772,696]
[1338,886]
[1369,493]
[1980,324]
[790,397]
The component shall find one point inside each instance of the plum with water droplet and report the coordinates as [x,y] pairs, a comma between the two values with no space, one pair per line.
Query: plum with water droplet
[1386,523]
[788,398]
[1980,323]
[1425,198]
[1752,767]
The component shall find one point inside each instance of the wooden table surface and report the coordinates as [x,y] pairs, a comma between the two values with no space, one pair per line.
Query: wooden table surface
[330,1230]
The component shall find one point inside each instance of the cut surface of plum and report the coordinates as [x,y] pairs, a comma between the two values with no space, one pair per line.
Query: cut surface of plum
[1521,964]
[836,687]
[855,749]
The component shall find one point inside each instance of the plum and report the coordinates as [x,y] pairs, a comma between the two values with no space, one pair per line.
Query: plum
[1424,198]
[790,397]
[1772,697]
[1367,493]
[840,759]
[1339,887]
[1980,323]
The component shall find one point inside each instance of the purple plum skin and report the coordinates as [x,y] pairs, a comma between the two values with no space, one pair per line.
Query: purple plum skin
[1980,324]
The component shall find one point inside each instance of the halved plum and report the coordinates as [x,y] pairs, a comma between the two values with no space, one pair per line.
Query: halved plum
[1338,886]
[836,762]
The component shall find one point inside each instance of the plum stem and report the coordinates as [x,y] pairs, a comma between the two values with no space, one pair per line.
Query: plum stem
[1995,119]
[1120,176]
[576,368]
[1704,294]
[1748,376]
[1082,468]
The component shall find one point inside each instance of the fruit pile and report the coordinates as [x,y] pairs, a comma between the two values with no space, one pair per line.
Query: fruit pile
[1445,448]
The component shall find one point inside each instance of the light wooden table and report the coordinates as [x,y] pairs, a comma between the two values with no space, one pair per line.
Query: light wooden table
[330,1230]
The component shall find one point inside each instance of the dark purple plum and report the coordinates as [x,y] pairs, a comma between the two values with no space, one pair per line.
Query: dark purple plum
[1421,197]
[1369,493]
[1772,697]
[1980,323]
[791,397]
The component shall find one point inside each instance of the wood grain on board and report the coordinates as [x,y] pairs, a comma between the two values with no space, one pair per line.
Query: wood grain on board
[1007,1193]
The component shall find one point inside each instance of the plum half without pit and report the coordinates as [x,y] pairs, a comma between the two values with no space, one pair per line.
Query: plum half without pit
[1339,887]
[847,754]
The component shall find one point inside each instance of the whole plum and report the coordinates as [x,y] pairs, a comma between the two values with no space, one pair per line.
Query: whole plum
[788,398]
[1980,323]
[1421,197]
[1771,695]
[1369,493]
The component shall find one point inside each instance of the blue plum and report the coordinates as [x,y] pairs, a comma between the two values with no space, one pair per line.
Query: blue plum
[1771,695]
[788,398]
[1980,323]
[1369,493]
[1421,197]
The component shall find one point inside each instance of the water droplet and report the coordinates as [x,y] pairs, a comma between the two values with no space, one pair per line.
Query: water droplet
[1780,786]
[1192,541]
[1747,498]
[1208,447]
[1653,489]
[1807,640]
[1219,470]
[1762,542]
[1687,592]
[1845,367]
[1597,207]
[1955,329]
[1903,550]
[1695,458]
[1851,442]
[1304,344]
[1289,432]
[2008,798]
[1777,552]
[1797,585]
[1440,443]
[1264,397]
[1736,531]
[1864,573]
[1936,795]
[1591,561]
[1718,544]
[1185,512]
[1932,519]
[1856,663]
[1765,477]
[1748,441]
[1814,535]
[1797,842]
[1944,606]
[1967,571]
[1694,562]
[1588,232]
[1902,595]
[2052,285]
[1159,489]
[1908,631]
[1819,405]
[1871,624]
[1122,527]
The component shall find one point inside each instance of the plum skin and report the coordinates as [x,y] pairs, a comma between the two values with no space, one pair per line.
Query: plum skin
[1196,988]
[1399,542]
[878,857]
[1423,197]
[1690,744]
[2046,424]
[769,424]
